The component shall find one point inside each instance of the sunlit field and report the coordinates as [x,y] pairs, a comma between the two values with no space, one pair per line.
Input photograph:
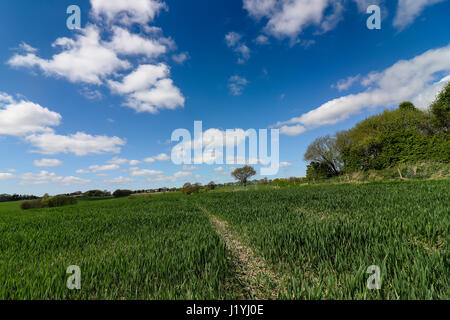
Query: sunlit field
[316,242]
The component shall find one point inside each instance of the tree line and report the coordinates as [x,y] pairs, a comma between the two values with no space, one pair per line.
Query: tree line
[403,135]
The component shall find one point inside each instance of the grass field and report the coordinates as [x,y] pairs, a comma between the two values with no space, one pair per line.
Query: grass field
[311,242]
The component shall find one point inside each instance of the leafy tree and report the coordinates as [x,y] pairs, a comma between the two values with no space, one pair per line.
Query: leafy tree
[440,110]
[211,185]
[122,193]
[318,170]
[242,174]
[191,188]
[407,106]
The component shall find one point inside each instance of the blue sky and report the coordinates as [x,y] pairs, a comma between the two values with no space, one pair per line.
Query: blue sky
[95,108]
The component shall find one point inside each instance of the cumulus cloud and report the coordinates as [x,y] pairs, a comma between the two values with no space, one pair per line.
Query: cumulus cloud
[80,143]
[237,84]
[159,157]
[181,57]
[162,157]
[409,10]
[18,118]
[119,180]
[345,84]
[138,172]
[45,177]
[127,12]
[262,39]
[233,41]
[364,4]
[95,55]
[417,80]
[126,43]
[107,167]
[148,89]
[86,59]
[285,164]
[288,18]
[6,176]
[176,176]
[47,162]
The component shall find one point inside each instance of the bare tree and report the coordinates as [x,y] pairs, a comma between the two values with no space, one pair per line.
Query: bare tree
[325,150]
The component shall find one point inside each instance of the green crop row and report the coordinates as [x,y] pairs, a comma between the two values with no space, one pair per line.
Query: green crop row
[126,249]
[322,239]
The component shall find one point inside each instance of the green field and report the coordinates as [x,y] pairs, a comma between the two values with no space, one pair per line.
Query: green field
[316,241]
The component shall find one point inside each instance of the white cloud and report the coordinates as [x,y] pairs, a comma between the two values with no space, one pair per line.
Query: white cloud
[6,176]
[345,84]
[259,8]
[237,84]
[143,77]
[285,164]
[117,160]
[149,160]
[19,118]
[107,167]
[292,130]
[219,169]
[134,162]
[45,177]
[137,172]
[176,176]
[127,12]
[47,163]
[409,10]
[181,57]
[162,157]
[85,59]
[190,168]
[124,42]
[26,47]
[80,143]
[288,18]
[119,180]
[262,39]
[417,80]
[82,171]
[148,89]
[159,157]
[364,4]
[233,41]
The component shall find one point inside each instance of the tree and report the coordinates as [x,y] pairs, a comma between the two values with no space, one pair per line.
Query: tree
[242,174]
[324,150]
[122,193]
[407,106]
[191,188]
[318,170]
[440,110]
[211,185]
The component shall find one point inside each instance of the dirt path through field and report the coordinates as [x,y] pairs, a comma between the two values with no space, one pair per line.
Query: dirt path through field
[257,279]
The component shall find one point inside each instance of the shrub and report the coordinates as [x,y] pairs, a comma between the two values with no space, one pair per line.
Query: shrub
[58,201]
[191,188]
[48,202]
[122,193]
[31,204]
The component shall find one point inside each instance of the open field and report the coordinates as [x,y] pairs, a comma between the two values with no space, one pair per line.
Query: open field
[311,242]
